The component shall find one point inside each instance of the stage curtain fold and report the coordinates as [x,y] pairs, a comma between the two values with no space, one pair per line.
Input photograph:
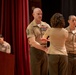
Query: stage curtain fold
[14,18]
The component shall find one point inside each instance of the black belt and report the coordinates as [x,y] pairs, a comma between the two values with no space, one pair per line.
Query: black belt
[72,55]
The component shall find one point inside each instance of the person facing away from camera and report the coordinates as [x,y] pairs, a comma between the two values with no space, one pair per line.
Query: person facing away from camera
[4,46]
[57,54]
[38,55]
[71,45]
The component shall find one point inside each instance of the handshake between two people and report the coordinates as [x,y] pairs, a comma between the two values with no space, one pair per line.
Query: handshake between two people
[44,43]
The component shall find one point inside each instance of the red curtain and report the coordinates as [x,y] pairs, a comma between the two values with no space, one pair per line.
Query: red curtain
[14,20]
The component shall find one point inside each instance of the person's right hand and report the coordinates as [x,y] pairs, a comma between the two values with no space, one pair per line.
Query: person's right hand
[45,49]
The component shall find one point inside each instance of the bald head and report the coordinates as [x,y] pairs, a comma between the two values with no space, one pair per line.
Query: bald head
[37,14]
[36,10]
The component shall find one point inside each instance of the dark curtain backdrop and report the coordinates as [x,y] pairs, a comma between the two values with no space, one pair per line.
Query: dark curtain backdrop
[13,23]
[49,8]
[68,8]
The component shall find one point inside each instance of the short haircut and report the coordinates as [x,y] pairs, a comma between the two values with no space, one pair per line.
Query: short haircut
[35,9]
[70,17]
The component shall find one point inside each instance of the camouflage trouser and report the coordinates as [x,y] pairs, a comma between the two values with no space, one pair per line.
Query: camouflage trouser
[38,62]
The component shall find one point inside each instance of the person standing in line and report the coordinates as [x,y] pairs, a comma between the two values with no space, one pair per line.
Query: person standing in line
[38,55]
[58,59]
[71,45]
[4,46]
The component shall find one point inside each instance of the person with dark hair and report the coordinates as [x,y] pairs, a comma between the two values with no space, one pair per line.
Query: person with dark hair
[38,55]
[4,46]
[58,59]
[71,45]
